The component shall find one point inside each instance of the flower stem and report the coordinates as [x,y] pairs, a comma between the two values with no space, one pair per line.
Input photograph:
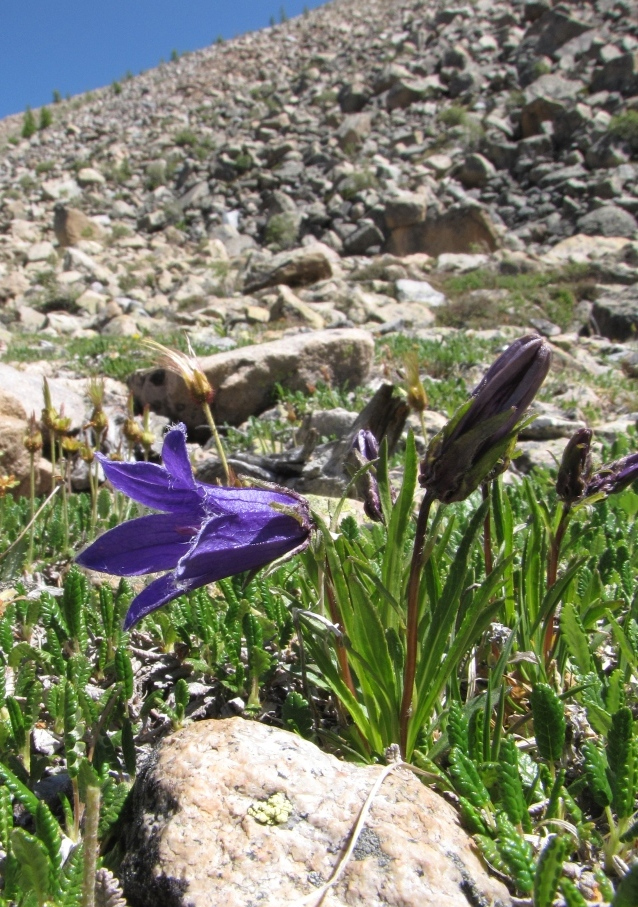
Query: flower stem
[412,621]
[92,818]
[31,503]
[487,533]
[552,574]
[218,443]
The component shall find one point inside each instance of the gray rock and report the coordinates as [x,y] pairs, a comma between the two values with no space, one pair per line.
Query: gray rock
[404,210]
[299,267]
[232,812]
[365,236]
[475,171]
[615,312]
[619,74]
[609,220]
[244,379]
[419,291]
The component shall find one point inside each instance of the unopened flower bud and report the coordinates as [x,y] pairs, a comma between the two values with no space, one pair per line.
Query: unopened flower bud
[575,467]
[481,435]
[614,477]
[364,450]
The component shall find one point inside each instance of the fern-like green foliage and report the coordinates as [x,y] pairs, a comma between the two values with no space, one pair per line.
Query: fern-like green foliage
[548,871]
[596,772]
[297,715]
[36,872]
[621,757]
[512,796]
[467,780]
[74,602]
[549,722]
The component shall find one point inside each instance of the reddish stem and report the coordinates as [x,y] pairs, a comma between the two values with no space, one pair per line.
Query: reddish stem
[552,574]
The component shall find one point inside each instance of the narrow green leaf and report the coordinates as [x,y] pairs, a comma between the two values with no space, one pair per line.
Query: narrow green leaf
[621,759]
[576,640]
[549,722]
[627,892]
[548,871]
[35,866]
[22,793]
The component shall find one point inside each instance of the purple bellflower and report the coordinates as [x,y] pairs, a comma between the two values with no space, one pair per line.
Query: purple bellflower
[204,533]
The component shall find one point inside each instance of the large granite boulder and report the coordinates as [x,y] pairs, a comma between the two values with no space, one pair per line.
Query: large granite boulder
[233,813]
[244,379]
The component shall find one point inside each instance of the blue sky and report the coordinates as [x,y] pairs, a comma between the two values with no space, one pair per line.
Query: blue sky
[77,45]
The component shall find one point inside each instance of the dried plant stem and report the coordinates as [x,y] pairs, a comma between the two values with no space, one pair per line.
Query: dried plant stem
[412,620]
[218,443]
[91,820]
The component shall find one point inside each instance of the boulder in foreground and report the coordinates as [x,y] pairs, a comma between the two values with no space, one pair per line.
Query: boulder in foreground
[233,812]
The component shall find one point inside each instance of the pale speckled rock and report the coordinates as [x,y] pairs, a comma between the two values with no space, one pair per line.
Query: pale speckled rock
[244,379]
[194,834]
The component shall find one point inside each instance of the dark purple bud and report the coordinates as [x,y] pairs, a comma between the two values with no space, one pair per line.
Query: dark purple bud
[480,436]
[614,477]
[575,467]
[365,449]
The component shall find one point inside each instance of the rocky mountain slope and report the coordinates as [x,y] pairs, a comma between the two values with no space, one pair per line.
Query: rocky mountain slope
[341,169]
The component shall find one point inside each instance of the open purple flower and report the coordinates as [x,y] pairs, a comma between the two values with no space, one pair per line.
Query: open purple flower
[204,533]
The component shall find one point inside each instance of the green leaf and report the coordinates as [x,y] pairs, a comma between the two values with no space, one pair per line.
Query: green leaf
[621,760]
[457,727]
[124,671]
[575,638]
[627,892]
[6,817]
[511,788]
[548,871]
[35,866]
[573,897]
[467,780]
[297,715]
[549,722]
[517,853]
[596,769]
[22,794]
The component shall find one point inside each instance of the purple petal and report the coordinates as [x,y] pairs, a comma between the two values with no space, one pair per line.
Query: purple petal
[233,544]
[148,544]
[175,457]
[219,500]
[149,484]
[156,594]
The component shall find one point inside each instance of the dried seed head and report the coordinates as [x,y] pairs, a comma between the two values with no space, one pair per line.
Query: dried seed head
[417,396]
[188,367]
[33,437]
